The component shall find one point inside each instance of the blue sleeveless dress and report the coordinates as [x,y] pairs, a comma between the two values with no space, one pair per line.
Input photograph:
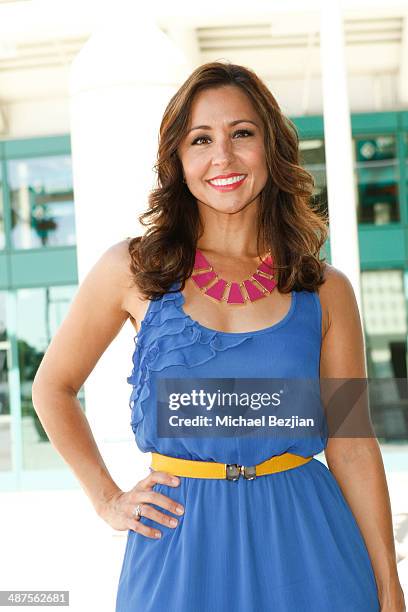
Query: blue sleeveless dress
[283,542]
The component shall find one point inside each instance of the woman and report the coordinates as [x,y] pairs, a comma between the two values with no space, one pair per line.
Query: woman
[235,289]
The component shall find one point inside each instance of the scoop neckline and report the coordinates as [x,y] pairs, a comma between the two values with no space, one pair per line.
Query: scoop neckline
[256,332]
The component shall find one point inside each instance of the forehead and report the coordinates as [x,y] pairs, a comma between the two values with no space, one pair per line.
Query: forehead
[221,104]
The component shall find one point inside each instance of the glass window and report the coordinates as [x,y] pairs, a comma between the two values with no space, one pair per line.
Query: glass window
[2,229]
[376,179]
[406,167]
[385,327]
[312,158]
[5,418]
[39,314]
[42,203]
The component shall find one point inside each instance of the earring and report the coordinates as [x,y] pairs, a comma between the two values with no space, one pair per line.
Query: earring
[184,179]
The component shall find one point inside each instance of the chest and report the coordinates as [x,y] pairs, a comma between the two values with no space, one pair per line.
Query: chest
[252,316]
[231,318]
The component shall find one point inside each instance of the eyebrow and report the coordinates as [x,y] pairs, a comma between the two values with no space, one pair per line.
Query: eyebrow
[208,127]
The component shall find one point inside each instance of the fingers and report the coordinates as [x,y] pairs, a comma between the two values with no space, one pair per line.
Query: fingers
[155,515]
[143,529]
[158,477]
[144,490]
[162,500]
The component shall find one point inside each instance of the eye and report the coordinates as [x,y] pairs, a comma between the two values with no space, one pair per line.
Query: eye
[243,131]
[195,141]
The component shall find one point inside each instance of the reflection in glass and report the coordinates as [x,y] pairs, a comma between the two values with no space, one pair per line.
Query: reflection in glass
[5,418]
[39,314]
[376,177]
[312,158]
[385,328]
[42,205]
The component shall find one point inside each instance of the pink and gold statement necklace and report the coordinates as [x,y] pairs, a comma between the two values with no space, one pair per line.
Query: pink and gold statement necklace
[258,285]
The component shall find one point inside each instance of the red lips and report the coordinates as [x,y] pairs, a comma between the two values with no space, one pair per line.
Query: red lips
[228,187]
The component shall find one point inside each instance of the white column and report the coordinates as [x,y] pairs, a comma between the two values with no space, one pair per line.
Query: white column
[185,38]
[338,146]
[120,84]
[402,82]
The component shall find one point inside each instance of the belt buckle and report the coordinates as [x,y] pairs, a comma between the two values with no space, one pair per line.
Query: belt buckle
[234,470]
[249,471]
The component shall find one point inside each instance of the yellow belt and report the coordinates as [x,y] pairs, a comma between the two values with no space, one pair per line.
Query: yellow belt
[230,471]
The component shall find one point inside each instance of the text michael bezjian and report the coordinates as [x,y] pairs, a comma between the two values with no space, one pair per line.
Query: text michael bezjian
[240,421]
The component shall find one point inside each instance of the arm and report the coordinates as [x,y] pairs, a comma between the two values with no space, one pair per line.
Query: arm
[95,317]
[356,463]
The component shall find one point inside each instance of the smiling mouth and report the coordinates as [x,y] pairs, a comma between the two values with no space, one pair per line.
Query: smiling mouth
[227,184]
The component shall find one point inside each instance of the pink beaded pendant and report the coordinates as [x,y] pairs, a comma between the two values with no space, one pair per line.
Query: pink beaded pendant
[257,286]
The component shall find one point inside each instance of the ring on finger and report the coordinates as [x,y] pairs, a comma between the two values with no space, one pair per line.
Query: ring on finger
[137,512]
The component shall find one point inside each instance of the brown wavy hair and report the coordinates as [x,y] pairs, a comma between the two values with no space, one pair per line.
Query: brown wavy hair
[289,224]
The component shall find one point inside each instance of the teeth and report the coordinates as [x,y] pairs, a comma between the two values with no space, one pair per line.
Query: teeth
[228,181]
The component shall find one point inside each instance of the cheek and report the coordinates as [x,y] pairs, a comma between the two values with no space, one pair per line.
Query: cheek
[196,168]
[256,160]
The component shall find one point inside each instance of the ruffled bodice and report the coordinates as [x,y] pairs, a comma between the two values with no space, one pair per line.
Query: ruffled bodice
[170,344]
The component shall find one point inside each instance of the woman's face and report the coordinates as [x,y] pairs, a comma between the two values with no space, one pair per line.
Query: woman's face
[222,149]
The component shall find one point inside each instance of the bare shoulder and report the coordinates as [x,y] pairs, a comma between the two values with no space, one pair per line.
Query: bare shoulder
[336,294]
[133,302]
[336,284]
[119,257]
[118,260]
[112,267]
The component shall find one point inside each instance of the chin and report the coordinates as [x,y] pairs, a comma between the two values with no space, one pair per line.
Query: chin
[235,207]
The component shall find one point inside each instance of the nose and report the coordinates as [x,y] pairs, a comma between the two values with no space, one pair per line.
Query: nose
[222,152]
